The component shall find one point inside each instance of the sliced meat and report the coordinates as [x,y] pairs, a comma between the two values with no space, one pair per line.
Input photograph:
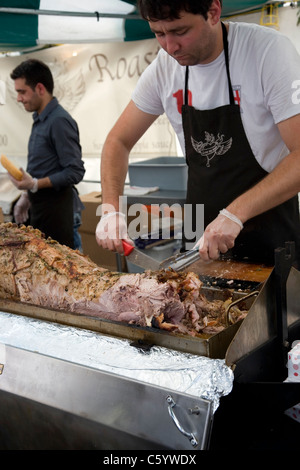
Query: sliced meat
[42,272]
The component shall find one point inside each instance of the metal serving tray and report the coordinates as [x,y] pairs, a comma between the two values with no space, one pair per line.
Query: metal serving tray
[213,347]
[48,403]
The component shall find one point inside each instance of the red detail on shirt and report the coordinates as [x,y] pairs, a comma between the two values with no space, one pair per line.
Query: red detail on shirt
[179,98]
[237,98]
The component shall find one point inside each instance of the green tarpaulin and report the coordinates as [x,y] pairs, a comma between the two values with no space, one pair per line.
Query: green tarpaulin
[28,23]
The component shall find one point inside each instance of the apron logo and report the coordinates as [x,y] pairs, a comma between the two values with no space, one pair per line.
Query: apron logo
[212,146]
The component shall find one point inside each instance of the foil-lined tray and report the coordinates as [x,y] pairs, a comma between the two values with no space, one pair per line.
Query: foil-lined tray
[182,372]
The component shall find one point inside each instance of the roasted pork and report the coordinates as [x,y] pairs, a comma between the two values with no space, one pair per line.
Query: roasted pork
[42,272]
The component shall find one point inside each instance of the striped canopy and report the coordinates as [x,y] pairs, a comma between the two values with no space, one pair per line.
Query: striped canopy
[30,23]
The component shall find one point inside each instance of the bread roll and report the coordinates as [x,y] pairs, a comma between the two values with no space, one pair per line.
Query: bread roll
[11,168]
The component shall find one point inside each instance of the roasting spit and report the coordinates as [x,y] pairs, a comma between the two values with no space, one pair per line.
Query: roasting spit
[68,405]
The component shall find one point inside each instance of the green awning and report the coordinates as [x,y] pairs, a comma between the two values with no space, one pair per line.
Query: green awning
[30,23]
[234,7]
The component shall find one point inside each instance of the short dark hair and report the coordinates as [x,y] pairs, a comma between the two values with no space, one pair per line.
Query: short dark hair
[155,10]
[34,71]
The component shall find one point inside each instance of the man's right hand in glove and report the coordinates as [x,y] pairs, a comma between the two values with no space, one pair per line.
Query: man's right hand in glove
[27,182]
[21,208]
[111,230]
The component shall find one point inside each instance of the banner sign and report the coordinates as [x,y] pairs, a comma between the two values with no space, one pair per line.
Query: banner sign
[94,82]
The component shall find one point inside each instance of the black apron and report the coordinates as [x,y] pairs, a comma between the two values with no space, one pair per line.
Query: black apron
[51,212]
[221,166]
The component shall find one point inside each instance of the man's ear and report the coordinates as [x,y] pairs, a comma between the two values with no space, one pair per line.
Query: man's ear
[214,12]
[40,89]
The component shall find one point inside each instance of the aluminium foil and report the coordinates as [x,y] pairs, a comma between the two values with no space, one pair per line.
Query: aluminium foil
[198,376]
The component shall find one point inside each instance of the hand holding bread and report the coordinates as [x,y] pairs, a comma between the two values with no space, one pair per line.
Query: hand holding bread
[11,168]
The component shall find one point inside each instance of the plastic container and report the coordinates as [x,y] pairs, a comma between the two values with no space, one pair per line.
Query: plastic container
[164,172]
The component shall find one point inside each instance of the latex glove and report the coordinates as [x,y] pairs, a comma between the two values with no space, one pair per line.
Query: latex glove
[27,182]
[219,236]
[111,230]
[21,208]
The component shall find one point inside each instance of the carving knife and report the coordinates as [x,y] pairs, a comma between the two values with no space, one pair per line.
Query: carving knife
[139,258]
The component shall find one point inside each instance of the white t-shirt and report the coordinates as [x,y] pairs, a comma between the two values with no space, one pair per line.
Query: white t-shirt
[264,70]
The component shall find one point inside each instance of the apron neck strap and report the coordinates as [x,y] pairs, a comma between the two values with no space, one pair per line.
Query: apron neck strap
[186,85]
[225,43]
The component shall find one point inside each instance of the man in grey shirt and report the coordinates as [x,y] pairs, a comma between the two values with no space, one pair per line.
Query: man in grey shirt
[54,157]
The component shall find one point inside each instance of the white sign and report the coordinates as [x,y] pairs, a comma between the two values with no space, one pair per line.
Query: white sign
[94,82]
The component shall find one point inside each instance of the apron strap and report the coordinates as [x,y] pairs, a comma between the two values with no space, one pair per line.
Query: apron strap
[225,42]
[186,85]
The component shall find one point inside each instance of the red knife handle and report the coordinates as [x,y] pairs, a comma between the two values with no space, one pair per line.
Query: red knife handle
[127,248]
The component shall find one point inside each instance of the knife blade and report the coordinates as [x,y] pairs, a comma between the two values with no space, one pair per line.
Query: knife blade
[180,261]
[139,258]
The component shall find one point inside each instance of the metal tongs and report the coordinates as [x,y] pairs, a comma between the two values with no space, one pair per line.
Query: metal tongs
[181,261]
